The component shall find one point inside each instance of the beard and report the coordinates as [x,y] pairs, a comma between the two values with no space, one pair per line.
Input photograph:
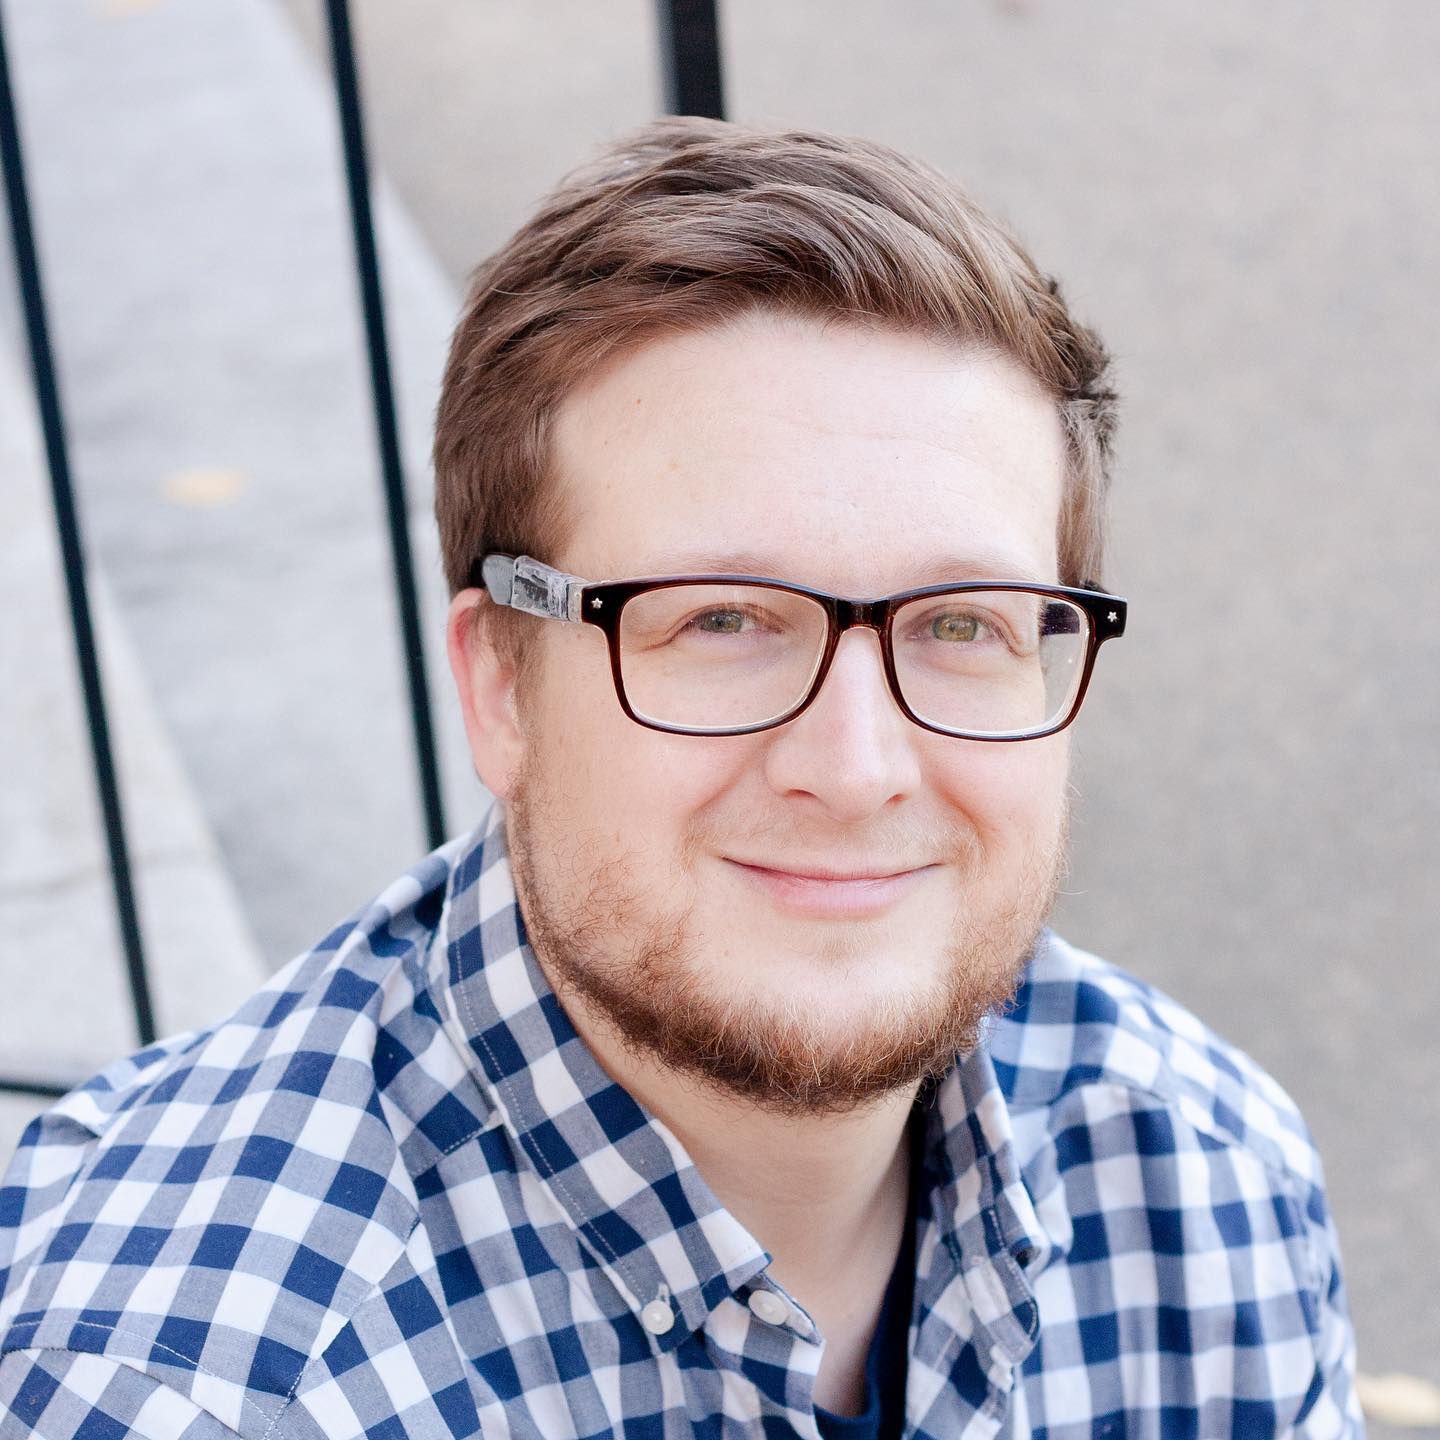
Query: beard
[632,958]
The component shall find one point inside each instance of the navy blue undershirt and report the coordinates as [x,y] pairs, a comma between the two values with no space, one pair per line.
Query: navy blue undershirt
[884,1415]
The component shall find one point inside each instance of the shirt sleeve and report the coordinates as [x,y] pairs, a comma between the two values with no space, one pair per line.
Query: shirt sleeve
[67,1395]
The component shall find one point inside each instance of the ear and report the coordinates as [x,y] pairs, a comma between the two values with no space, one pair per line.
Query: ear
[486,685]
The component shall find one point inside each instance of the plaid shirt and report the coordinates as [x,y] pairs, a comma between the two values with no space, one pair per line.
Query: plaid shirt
[395,1195]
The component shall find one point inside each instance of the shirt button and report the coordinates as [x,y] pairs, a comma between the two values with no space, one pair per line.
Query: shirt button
[658,1318]
[766,1305]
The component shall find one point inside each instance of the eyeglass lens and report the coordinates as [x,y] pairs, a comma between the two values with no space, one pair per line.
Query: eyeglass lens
[722,657]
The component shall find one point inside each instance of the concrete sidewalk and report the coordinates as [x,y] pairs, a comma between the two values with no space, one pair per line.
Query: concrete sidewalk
[186,175]
[224,461]
[67,1008]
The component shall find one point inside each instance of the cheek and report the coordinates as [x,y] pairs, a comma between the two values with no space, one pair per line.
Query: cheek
[607,772]
[1012,794]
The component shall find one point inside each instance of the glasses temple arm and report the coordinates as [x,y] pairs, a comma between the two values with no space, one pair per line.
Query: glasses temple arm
[528,586]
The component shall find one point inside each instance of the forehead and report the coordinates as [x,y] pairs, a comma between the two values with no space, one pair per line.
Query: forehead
[854,459]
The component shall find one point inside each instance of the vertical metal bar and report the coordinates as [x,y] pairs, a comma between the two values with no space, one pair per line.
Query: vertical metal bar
[28,1085]
[690,57]
[47,396]
[347,96]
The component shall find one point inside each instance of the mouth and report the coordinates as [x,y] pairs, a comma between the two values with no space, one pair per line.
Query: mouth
[832,894]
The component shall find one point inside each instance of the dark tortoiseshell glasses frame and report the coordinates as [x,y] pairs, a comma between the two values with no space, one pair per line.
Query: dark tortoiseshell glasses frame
[534,588]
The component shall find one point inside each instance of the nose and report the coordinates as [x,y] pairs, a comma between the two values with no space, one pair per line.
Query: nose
[852,751]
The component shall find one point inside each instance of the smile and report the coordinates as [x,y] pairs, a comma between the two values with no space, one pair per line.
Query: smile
[831,895]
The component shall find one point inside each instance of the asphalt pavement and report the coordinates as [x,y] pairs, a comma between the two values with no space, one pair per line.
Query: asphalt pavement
[1243,199]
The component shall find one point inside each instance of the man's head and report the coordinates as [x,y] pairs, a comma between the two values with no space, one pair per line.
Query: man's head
[813,359]
[687,223]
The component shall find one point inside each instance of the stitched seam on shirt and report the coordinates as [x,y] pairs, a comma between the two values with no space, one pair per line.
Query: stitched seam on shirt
[1005,1258]
[376,1289]
[464,1140]
[1278,1170]
[289,1396]
[1000,1254]
[140,1338]
[536,1153]
[550,1174]
[1281,1176]
[429,981]
[1310,1246]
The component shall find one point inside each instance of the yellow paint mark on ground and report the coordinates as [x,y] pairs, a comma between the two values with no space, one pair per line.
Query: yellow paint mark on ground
[1404,1400]
[203,488]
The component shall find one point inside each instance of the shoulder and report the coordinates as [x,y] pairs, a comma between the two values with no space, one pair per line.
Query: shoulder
[1080,1027]
[1140,1133]
[1130,1113]
[1190,1256]
[212,1210]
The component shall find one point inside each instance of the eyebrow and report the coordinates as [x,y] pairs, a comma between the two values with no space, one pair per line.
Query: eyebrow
[935,570]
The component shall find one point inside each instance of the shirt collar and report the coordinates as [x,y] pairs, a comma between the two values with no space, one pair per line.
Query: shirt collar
[989,1240]
[632,1193]
[618,1173]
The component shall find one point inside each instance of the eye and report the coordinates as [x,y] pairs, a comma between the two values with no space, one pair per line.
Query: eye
[955,627]
[720,622]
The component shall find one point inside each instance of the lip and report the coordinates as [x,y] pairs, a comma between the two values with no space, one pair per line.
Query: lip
[832,894]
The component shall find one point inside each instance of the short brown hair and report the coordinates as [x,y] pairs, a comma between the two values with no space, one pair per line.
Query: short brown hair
[687,223]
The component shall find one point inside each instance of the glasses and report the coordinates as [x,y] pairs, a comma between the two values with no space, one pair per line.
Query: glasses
[733,654]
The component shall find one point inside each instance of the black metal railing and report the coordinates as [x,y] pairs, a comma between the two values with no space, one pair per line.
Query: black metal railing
[387,434]
[72,555]
[690,61]
[690,57]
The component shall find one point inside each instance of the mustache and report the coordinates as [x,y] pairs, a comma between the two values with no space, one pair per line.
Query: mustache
[903,841]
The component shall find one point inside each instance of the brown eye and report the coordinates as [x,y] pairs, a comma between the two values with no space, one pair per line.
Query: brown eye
[955,627]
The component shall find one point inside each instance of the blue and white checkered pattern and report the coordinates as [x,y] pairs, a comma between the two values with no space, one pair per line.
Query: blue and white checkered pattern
[396,1196]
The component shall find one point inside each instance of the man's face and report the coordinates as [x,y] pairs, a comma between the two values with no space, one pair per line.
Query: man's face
[686,888]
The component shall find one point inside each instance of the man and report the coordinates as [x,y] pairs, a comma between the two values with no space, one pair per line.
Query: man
[726,1080]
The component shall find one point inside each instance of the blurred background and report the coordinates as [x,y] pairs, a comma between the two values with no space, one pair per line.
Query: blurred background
[1244,199]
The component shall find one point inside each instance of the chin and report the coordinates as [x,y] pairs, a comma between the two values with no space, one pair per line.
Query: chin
[842,974]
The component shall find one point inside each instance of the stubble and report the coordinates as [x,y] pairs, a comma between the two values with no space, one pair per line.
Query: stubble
[632,959]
